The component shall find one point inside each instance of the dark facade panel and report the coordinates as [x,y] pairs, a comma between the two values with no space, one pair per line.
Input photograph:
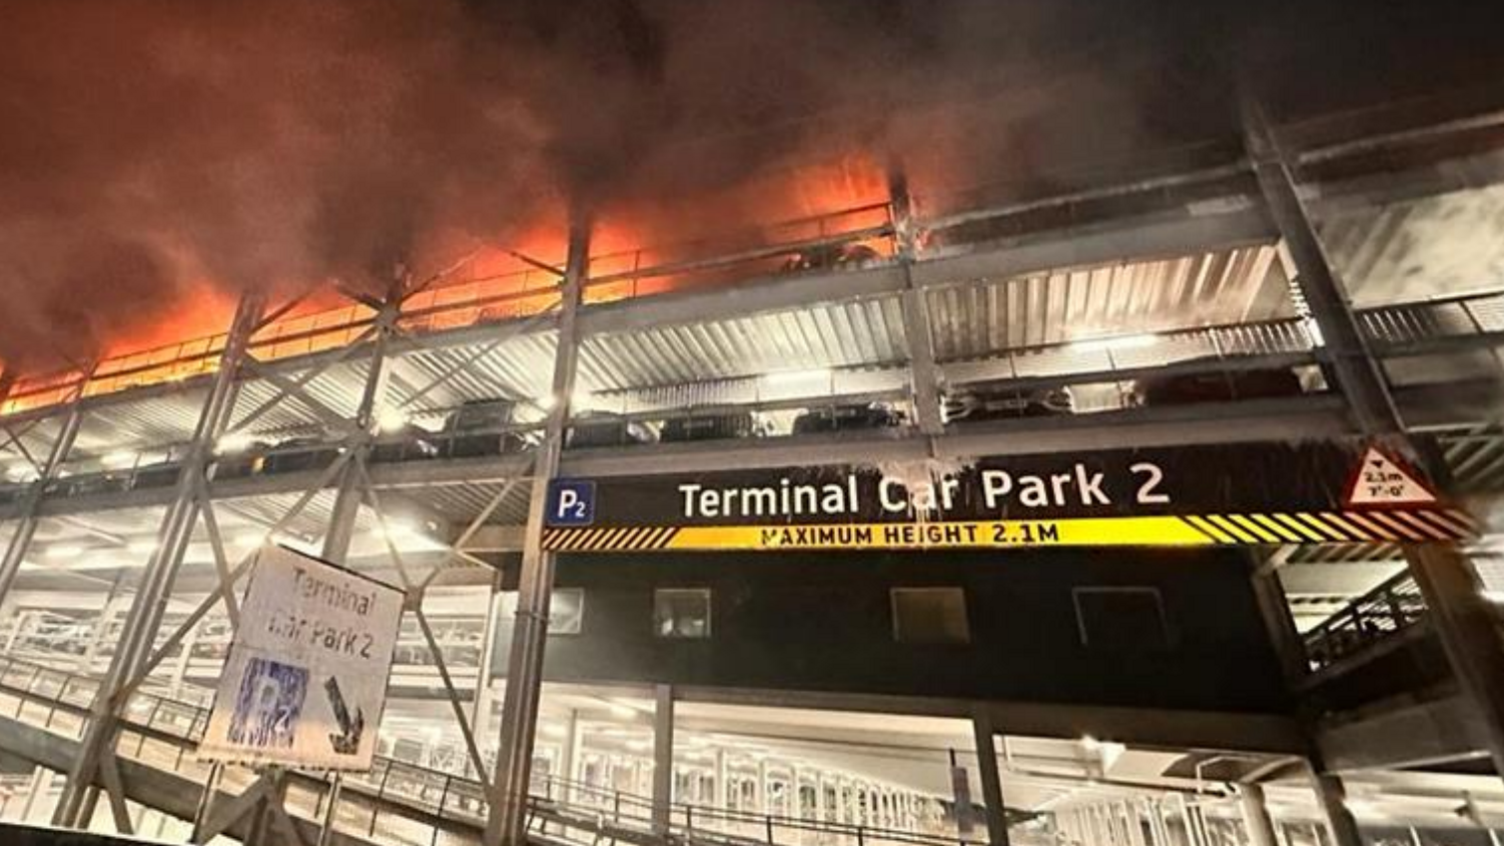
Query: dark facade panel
[824,622]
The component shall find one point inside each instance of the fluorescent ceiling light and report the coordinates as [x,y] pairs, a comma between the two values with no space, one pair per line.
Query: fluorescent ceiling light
[233,443]
[797,377]
[1121,343]
[390,420]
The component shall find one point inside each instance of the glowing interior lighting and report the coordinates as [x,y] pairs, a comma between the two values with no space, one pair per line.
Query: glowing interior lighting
[639,745]
[19,473]
[233,443]
[390,420]
[796,377]
[1118,344]
[142,546]
[247,541]
[54,553]
[552,730]
[118,460]
[622,712]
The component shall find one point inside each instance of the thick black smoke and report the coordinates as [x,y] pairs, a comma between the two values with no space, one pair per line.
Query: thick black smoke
[148,145]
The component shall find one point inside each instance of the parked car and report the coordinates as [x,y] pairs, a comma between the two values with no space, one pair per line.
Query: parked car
[478,427]
[106,481]
[707,427]
[606,429]
[409,443]
[241,463]
[1005,404]
[828,257]
[847,417]
[162,474]
[11,494]
[1217,386]
[309,453]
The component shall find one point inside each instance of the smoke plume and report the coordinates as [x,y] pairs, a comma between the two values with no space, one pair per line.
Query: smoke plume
[150,148]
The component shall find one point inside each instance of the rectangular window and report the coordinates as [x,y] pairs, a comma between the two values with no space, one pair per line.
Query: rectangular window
[566,610]
[1121,618]
[930,615]
[681,612]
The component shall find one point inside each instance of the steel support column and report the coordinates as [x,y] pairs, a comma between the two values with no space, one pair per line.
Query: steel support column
[992,783]
[663,756]
[347,496]
[924,374]
[1256,815]
[519,712]
[26,526]
[150,603]
[1462,619]
[480,712]
[1331,798]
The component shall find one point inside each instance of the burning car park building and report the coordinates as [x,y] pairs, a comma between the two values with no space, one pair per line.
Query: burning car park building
[852,488]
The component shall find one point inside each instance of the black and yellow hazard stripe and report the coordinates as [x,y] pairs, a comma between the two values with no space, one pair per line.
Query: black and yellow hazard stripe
[1425,525]
[609,538]
[1402,526]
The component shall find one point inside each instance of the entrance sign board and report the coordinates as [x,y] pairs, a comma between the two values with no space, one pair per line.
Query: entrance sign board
[305,681]
[1226,494]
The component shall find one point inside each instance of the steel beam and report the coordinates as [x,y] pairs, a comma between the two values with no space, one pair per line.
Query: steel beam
[924,374]
[29,517]
[663,757]
[1463,621]
[508,817]
[151,598]
[1256,815]
[992,784]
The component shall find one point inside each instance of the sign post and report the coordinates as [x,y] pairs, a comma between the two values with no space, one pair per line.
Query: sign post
[305,682]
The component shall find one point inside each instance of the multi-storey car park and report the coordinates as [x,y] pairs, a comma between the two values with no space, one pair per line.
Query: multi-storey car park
[1332,280]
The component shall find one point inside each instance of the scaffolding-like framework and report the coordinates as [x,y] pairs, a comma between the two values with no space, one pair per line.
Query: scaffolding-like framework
[555,315]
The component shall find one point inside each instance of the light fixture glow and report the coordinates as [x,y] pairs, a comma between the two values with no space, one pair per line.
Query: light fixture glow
[63,551]
[1121,343]
[797,377]
[142,546]
[389,421]
[233,443]
[118,460]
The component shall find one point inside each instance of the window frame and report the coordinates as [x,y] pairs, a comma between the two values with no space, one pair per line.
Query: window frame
[705,592]
[579,627]
[894,618]
[1167,633]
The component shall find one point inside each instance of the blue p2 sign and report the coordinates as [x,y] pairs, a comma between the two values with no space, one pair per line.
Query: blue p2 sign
[571,503]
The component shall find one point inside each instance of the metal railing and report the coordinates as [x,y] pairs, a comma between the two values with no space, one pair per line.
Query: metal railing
[410,805]
[1388,609]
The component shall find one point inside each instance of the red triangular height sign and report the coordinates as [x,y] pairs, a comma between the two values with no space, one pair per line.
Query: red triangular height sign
[1381,480]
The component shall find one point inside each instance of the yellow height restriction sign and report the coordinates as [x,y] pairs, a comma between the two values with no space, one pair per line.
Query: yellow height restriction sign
[1407,526]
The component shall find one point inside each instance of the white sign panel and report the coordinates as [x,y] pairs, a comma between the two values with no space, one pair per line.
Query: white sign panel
[306,679]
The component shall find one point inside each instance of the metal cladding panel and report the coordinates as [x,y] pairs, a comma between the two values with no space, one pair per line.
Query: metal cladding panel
[974,320]
[148,422]
[863,331]
[519,367]
[1438,245]
[1476,459]
[461,504]
[265,511]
